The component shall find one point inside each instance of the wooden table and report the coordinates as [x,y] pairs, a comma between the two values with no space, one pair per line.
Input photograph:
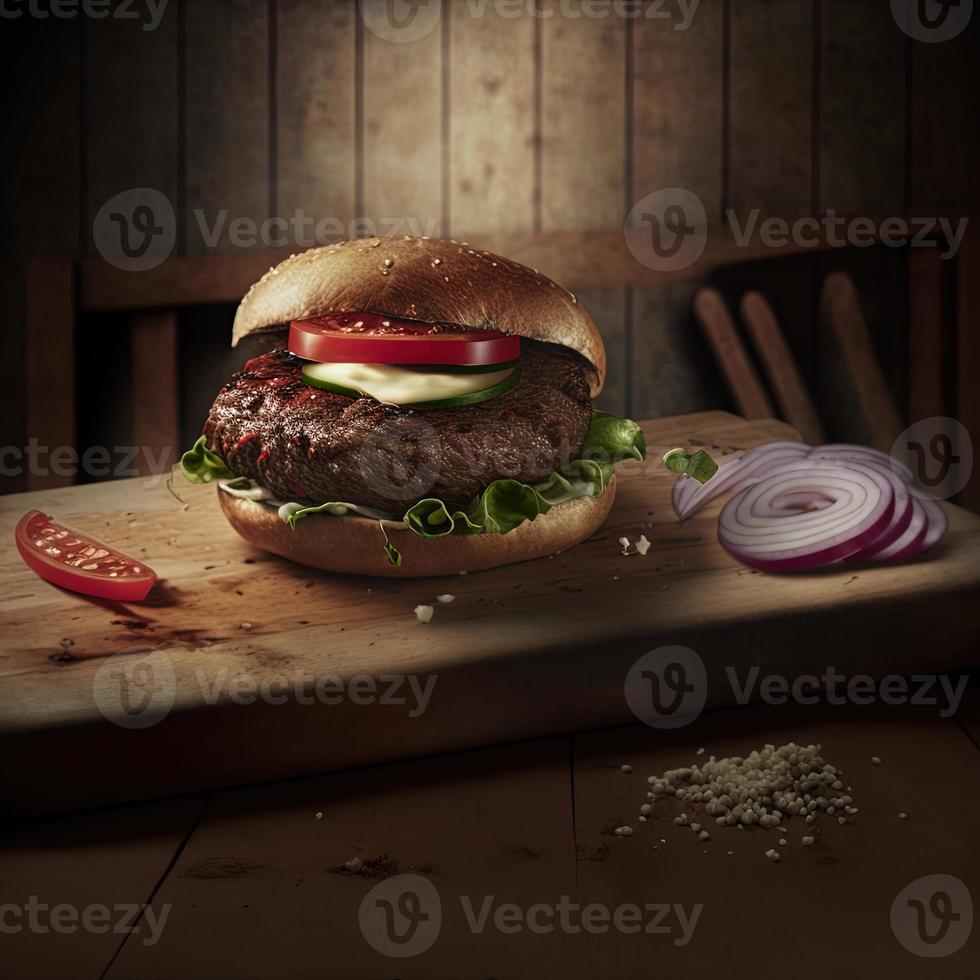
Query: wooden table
[248,879]
[255,880]
[529,650]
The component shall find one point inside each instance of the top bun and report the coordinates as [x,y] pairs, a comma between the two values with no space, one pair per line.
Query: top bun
[422,279]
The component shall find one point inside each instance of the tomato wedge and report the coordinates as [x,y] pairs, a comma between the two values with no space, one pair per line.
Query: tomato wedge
[370,338]
[79,563]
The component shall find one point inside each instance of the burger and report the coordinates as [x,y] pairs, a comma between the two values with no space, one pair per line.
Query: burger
[422,408]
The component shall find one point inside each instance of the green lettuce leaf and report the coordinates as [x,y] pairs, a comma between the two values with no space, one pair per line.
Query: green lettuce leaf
[501,507]
[293,512]
[698,465]
[200,465]
[620,438]
[506,504]
[394,555]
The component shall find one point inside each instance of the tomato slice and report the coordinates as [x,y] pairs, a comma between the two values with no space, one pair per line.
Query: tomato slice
[79,563]
[370,338]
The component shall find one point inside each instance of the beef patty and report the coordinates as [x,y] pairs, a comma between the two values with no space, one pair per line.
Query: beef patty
[303,442]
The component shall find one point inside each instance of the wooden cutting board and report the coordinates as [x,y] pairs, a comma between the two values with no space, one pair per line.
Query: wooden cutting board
[527,650]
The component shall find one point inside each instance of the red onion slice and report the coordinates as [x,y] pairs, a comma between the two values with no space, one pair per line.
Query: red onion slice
[938,523]
[801,500]
[769,538]
[689,496]
[901,514]
[686,487]
[862,454]
[909,543]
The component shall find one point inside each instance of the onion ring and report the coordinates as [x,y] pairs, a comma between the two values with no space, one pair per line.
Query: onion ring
[769,538]
[689,496]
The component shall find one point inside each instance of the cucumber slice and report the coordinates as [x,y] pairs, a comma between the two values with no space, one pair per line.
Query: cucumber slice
[474,398]
[404,386]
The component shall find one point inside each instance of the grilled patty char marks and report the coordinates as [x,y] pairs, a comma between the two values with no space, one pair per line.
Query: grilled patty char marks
[303,442]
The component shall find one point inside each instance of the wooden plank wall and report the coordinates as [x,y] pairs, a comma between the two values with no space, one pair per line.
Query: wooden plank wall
[499,123]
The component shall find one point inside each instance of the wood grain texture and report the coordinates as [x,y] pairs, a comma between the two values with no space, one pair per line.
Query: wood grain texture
[855,392]
[491,122]
[861,151]
[253,892]
[968,356]
[926,356]
[607,307]
[731,356]
[678,105]
[571,626]
[782,373]
[130,110]
[577,260]
[104,858]
[677,126]
[583,118]
[671,367]
[944,140]
[156,389]
[13,355]
[402,127]
[770,104]
[315,90]
[843,886]
[492,822]
[226,124]
[969,714]
[40,189]
[49,326]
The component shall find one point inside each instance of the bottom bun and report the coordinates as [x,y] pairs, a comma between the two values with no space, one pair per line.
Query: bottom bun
[354,545]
